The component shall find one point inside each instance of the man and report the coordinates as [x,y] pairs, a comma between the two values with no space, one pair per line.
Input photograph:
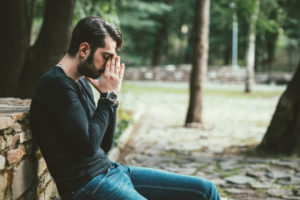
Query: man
[74,134]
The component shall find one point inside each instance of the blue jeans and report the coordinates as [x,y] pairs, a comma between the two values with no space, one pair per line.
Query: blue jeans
[123,182]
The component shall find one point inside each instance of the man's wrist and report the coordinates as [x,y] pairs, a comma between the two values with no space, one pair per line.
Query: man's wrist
[108,102]
[111,96]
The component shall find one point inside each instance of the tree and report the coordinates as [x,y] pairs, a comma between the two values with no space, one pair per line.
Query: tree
[250,55]
[283,134]
[200,57]
[23,64]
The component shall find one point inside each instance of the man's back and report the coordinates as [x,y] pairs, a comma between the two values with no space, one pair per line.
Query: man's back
[72,133]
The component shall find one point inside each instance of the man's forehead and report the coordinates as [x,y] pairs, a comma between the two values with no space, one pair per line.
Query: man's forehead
[110,46]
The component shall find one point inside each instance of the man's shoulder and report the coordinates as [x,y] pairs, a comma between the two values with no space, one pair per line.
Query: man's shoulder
[53,83]
[52,75]
[54,78]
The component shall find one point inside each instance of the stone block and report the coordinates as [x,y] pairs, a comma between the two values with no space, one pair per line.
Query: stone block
[2,143]
[30,194]
[22,178]
[15,155]
[3,185]
[2,163]
[42,166]
[25,136]
[5,122]
[47,193]
[7,131]
[55,195]
[17,128]
[44,180]
[11,140]
[19,116]
[239,179]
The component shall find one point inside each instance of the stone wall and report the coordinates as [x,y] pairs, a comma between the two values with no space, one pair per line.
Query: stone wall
[215,74]
[23,171]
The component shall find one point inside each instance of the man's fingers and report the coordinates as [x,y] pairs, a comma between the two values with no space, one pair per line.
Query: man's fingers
[113,64]
[117,70]
[107,66]
[121,72]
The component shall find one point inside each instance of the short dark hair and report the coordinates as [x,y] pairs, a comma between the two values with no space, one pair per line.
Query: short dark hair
[93,31]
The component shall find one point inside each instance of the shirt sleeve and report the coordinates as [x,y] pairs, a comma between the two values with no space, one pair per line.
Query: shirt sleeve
[110,132]
[77,130]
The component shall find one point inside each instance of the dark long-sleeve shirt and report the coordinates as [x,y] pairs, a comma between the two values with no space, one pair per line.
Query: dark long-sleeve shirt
[73,133]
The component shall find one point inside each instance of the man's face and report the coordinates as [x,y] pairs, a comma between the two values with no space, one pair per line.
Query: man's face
[94,65]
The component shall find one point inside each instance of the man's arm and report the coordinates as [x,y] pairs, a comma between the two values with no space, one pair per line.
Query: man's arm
[111,81]
[110,132]
[80,133]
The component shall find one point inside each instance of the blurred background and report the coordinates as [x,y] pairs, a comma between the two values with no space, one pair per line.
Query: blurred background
[36,34]
[160,32]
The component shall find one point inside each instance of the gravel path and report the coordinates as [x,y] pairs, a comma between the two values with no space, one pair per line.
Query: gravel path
[221,150]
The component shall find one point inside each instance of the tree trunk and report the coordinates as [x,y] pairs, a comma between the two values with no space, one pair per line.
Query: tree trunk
[16,20]
[283,134]
[51,44]
[250,55]
[200,56]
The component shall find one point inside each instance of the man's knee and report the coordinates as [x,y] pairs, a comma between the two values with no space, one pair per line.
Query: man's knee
[212,192]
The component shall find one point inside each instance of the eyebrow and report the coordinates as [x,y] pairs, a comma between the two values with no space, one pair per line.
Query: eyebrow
[109,52]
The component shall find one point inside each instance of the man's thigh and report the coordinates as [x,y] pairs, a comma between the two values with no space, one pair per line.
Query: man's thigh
[163,185]
[114,185]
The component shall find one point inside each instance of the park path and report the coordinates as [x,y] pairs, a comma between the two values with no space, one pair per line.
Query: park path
[220,151]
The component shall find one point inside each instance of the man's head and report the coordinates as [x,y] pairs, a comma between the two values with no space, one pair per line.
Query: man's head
[94,41]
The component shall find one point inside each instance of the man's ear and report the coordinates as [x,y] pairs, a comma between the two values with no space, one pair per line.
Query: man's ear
[84,50]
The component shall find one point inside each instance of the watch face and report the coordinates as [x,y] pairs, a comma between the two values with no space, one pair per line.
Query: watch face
[112,96]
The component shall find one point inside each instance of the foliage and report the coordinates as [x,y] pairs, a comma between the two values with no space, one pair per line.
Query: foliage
[105,9]
[142,21]
[124,119]
[139,24]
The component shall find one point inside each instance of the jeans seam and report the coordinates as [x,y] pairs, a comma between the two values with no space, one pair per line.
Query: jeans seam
[100,183]
[172,188]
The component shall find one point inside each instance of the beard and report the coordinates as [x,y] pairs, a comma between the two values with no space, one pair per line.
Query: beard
[88,68]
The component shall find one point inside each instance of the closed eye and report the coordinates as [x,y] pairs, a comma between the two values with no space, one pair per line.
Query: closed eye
[106,57]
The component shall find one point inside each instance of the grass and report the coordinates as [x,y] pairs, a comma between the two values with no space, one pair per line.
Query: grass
[124,119]
[232,93]
[291,187]
[225,174]
[199,168]
[171,152]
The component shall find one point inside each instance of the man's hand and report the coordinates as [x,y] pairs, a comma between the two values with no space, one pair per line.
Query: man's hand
[112,77]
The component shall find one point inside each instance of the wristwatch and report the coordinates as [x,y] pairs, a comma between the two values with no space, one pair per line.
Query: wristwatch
[111,96]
